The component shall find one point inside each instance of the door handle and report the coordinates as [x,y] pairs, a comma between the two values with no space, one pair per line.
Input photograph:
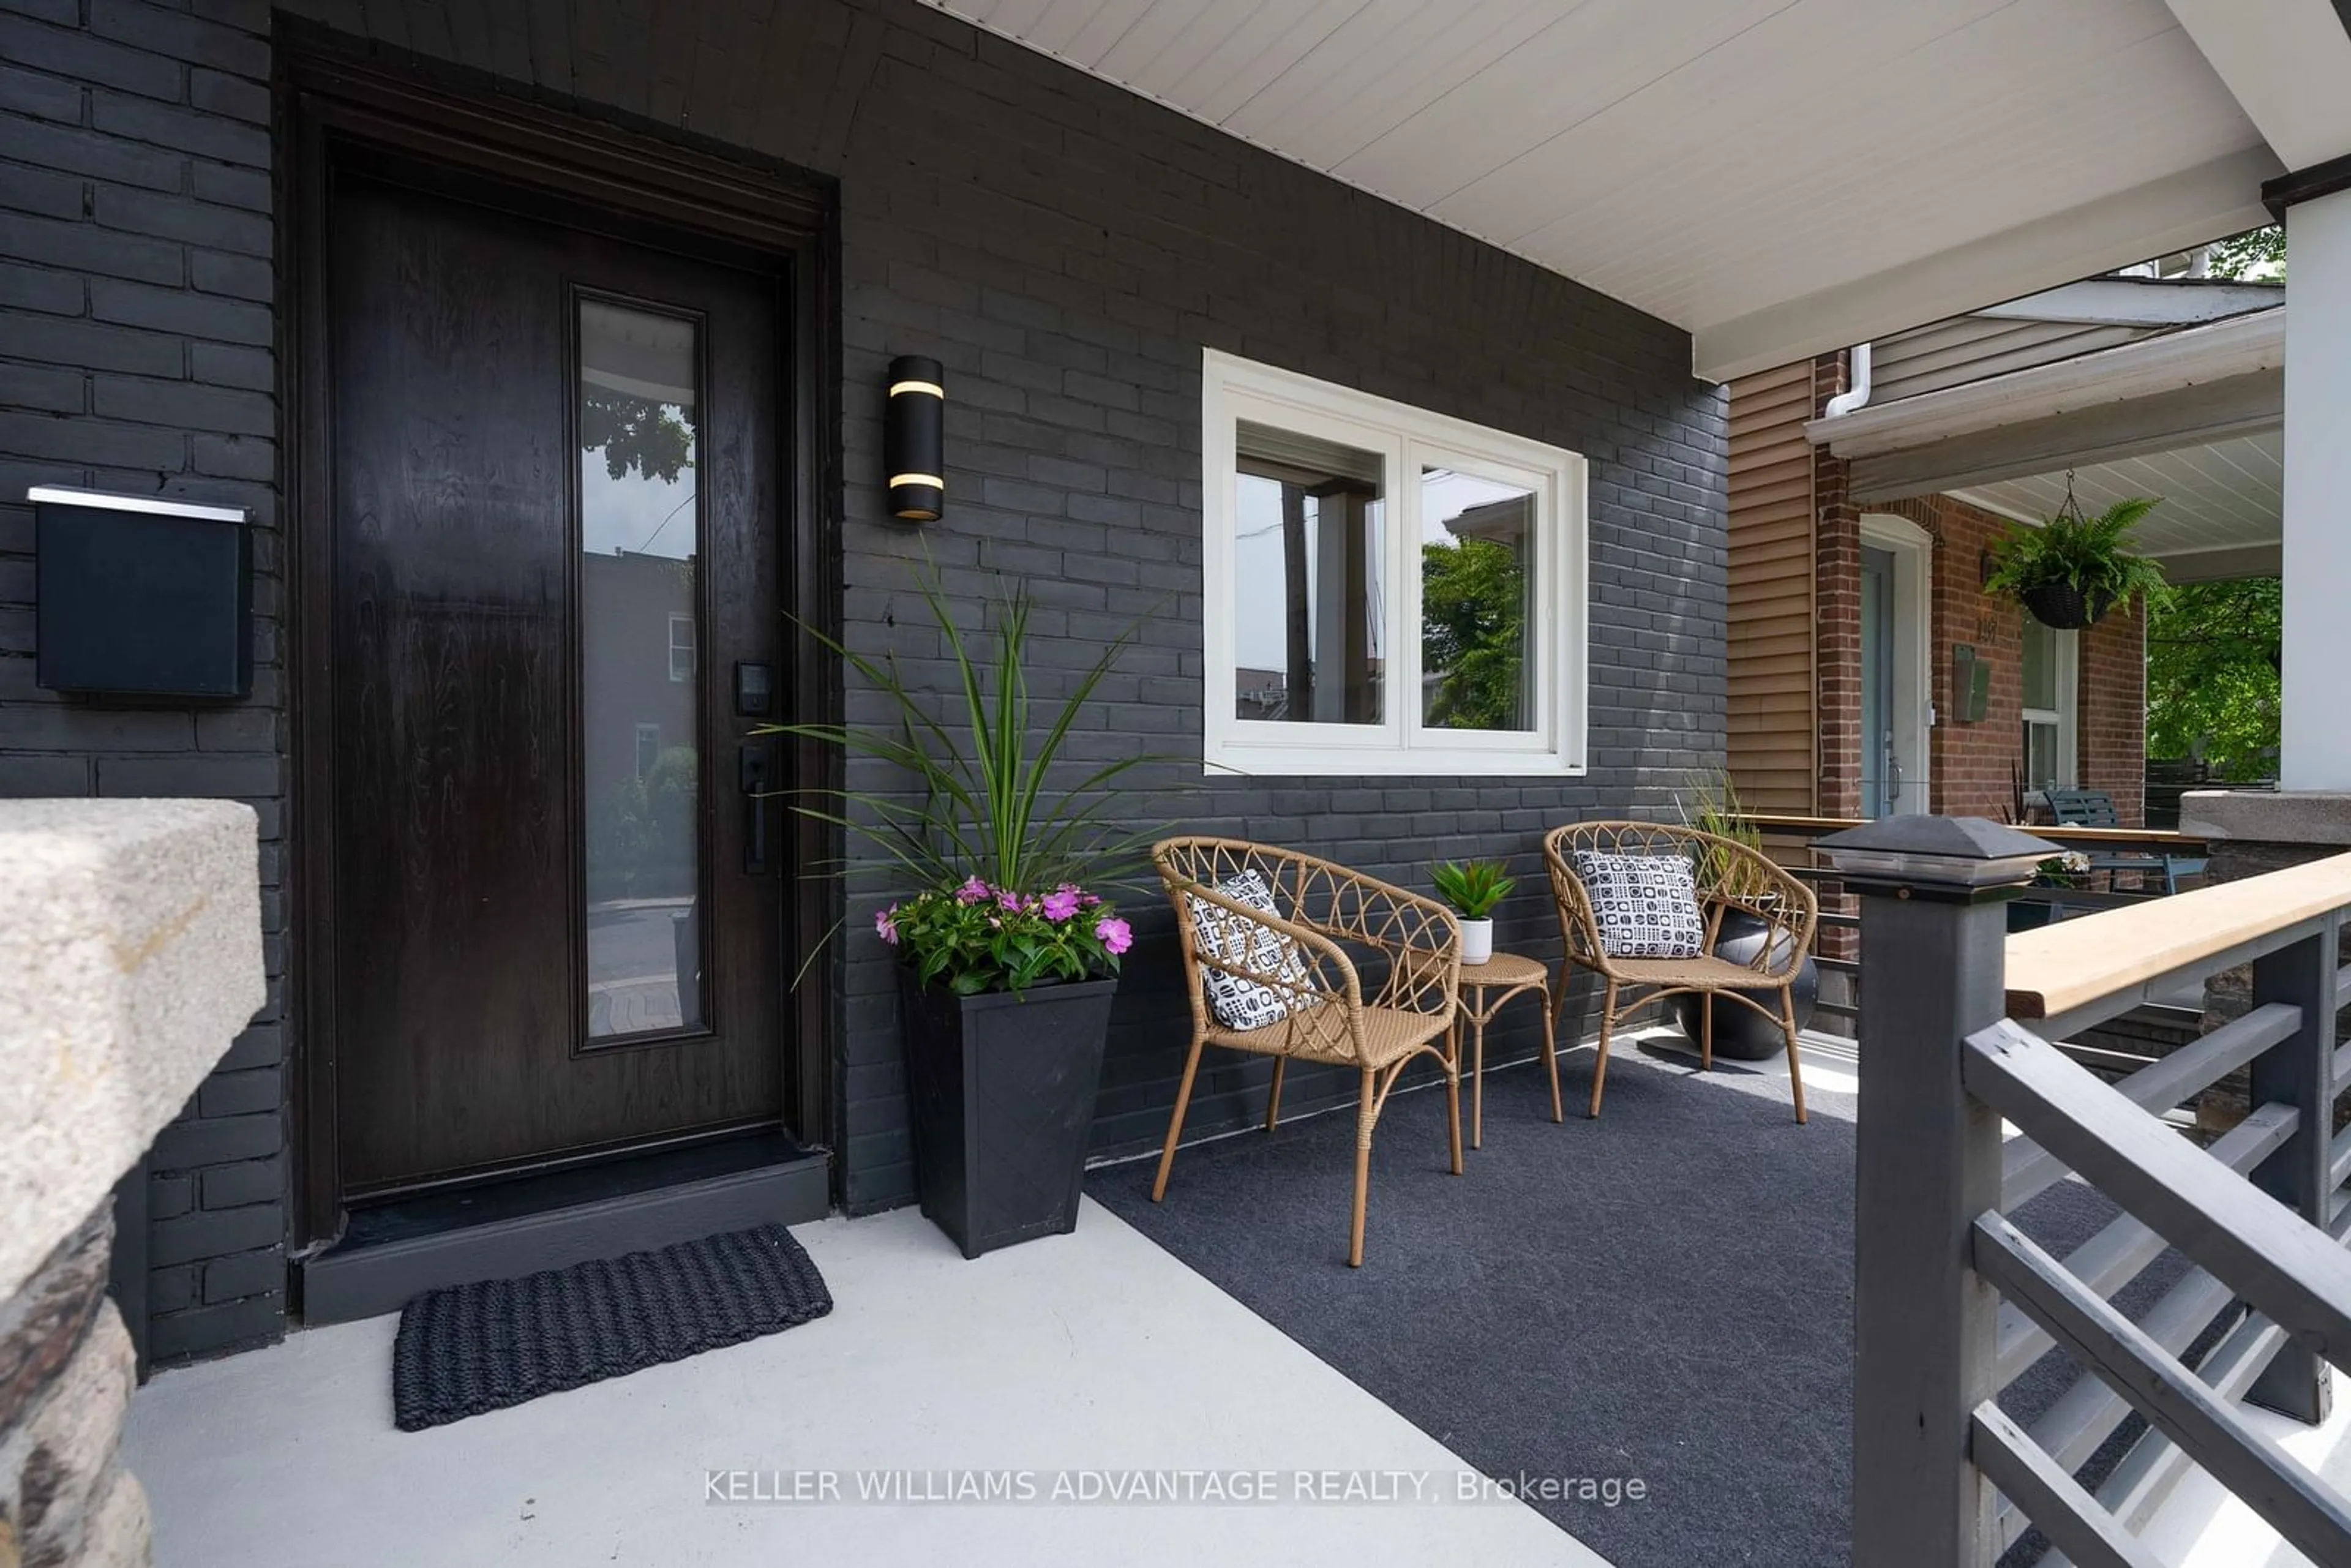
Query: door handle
[752,767]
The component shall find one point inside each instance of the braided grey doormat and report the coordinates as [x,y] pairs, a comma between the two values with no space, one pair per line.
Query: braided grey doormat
[464,1349]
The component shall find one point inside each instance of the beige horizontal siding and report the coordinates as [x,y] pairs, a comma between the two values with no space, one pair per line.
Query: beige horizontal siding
[1961,348]
[1770,653]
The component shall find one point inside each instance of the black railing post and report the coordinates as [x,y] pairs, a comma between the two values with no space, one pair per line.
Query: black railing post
[2299,1071]
[1934,895]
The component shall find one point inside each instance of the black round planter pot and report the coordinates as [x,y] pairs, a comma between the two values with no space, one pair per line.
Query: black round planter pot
[1740,1033]
[1001,1102]
[2062,607]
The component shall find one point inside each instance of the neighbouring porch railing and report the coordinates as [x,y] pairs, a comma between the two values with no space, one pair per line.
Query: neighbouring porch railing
[1953,1301]
[1791,840]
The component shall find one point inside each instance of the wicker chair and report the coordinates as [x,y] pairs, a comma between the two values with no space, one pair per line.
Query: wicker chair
[1731,876]
[1324,909]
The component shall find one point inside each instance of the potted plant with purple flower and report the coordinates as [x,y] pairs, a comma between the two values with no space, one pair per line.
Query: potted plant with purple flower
[1008,949]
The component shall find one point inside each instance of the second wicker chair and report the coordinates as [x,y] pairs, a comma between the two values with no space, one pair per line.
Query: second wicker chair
[1730,876]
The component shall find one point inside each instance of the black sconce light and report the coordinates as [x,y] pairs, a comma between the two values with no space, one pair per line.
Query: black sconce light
[912,439]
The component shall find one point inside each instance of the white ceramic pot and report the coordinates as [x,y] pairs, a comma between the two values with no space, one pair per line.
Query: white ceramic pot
[1476,941]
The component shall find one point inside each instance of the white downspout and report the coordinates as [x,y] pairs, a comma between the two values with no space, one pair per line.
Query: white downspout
[1846,401]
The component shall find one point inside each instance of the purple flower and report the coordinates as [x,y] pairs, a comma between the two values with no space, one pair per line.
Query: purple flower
[1008,900]
[973,891]
[1116,935]
[1061,904]
[884,926]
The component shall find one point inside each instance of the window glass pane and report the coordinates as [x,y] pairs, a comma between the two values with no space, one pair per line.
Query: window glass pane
[640,709]
[1307,521]
[2041,756]
[1476,582]
[2039,665]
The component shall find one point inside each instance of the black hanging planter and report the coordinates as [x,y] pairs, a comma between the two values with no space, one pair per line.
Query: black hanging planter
[2062,607]
[1001,1097]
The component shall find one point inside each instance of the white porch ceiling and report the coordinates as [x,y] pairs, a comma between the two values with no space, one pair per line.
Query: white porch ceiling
[1780,177]
[2223,499]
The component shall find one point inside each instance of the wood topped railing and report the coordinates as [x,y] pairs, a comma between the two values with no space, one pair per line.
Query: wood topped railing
[2060,969]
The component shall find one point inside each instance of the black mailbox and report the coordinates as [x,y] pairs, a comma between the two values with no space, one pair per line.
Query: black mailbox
[140,595]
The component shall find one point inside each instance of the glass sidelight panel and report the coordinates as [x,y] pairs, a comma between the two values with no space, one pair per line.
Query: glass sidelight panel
[1476,581]
[1876,681]
[1308,516]
[640,705]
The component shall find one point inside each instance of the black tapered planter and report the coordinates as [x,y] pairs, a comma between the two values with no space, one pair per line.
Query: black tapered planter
[1000,1095]
[1740,1033]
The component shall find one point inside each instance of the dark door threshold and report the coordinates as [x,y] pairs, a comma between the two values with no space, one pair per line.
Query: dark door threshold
[393,1250]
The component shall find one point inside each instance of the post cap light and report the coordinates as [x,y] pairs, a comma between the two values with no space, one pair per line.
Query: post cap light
[1966,853]
[912,439]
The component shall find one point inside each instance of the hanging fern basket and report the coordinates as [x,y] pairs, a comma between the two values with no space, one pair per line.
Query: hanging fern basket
[2073,568]
[2063,607]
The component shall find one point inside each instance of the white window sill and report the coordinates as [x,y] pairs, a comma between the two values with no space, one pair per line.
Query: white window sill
[1272,763]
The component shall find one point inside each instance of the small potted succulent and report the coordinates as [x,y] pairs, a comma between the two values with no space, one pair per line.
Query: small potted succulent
[1473,888]
[2073,568]
[1008,954]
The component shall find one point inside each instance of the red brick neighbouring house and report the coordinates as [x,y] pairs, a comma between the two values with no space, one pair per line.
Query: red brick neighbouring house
[1796,644]
[1869,486]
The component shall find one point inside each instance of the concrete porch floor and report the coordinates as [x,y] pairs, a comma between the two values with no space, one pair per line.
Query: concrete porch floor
[1091,1353]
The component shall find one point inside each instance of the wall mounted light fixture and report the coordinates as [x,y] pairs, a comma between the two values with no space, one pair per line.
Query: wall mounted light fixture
[914,439]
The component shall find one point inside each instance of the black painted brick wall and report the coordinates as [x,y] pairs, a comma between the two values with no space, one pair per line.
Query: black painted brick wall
[136,354]
[1066,249]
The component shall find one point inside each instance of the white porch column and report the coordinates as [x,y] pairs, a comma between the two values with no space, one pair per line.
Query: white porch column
[2316,733]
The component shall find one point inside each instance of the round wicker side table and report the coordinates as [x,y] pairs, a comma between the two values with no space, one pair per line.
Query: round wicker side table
[1485,988]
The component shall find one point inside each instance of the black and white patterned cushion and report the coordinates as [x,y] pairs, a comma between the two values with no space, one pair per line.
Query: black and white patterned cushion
[1235,1002]
[1647,906]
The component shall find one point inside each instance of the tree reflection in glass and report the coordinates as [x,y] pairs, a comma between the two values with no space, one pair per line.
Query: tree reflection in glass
[1476,559]
[640,530]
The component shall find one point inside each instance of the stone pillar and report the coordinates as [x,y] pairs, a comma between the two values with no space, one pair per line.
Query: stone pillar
[129,958]
[2257,830]
[65,1378]
[2316,744]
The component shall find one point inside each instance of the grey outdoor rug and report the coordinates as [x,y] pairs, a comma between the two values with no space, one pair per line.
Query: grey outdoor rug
[470,1348]
[1665,1293]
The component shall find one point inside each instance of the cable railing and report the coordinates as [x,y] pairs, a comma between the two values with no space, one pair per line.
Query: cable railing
[1959,1030]
[1791,840]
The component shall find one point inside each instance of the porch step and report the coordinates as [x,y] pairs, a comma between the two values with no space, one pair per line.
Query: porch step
[395,1250]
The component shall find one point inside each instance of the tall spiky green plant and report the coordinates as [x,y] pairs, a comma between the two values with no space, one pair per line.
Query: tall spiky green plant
[984,773]
[1715,807]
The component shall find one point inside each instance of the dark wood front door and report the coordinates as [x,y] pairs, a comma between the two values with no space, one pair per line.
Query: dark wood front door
[555,493]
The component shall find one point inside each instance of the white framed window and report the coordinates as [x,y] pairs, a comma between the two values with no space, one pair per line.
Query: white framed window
[2051,676]
[681,647]
[1388,591]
